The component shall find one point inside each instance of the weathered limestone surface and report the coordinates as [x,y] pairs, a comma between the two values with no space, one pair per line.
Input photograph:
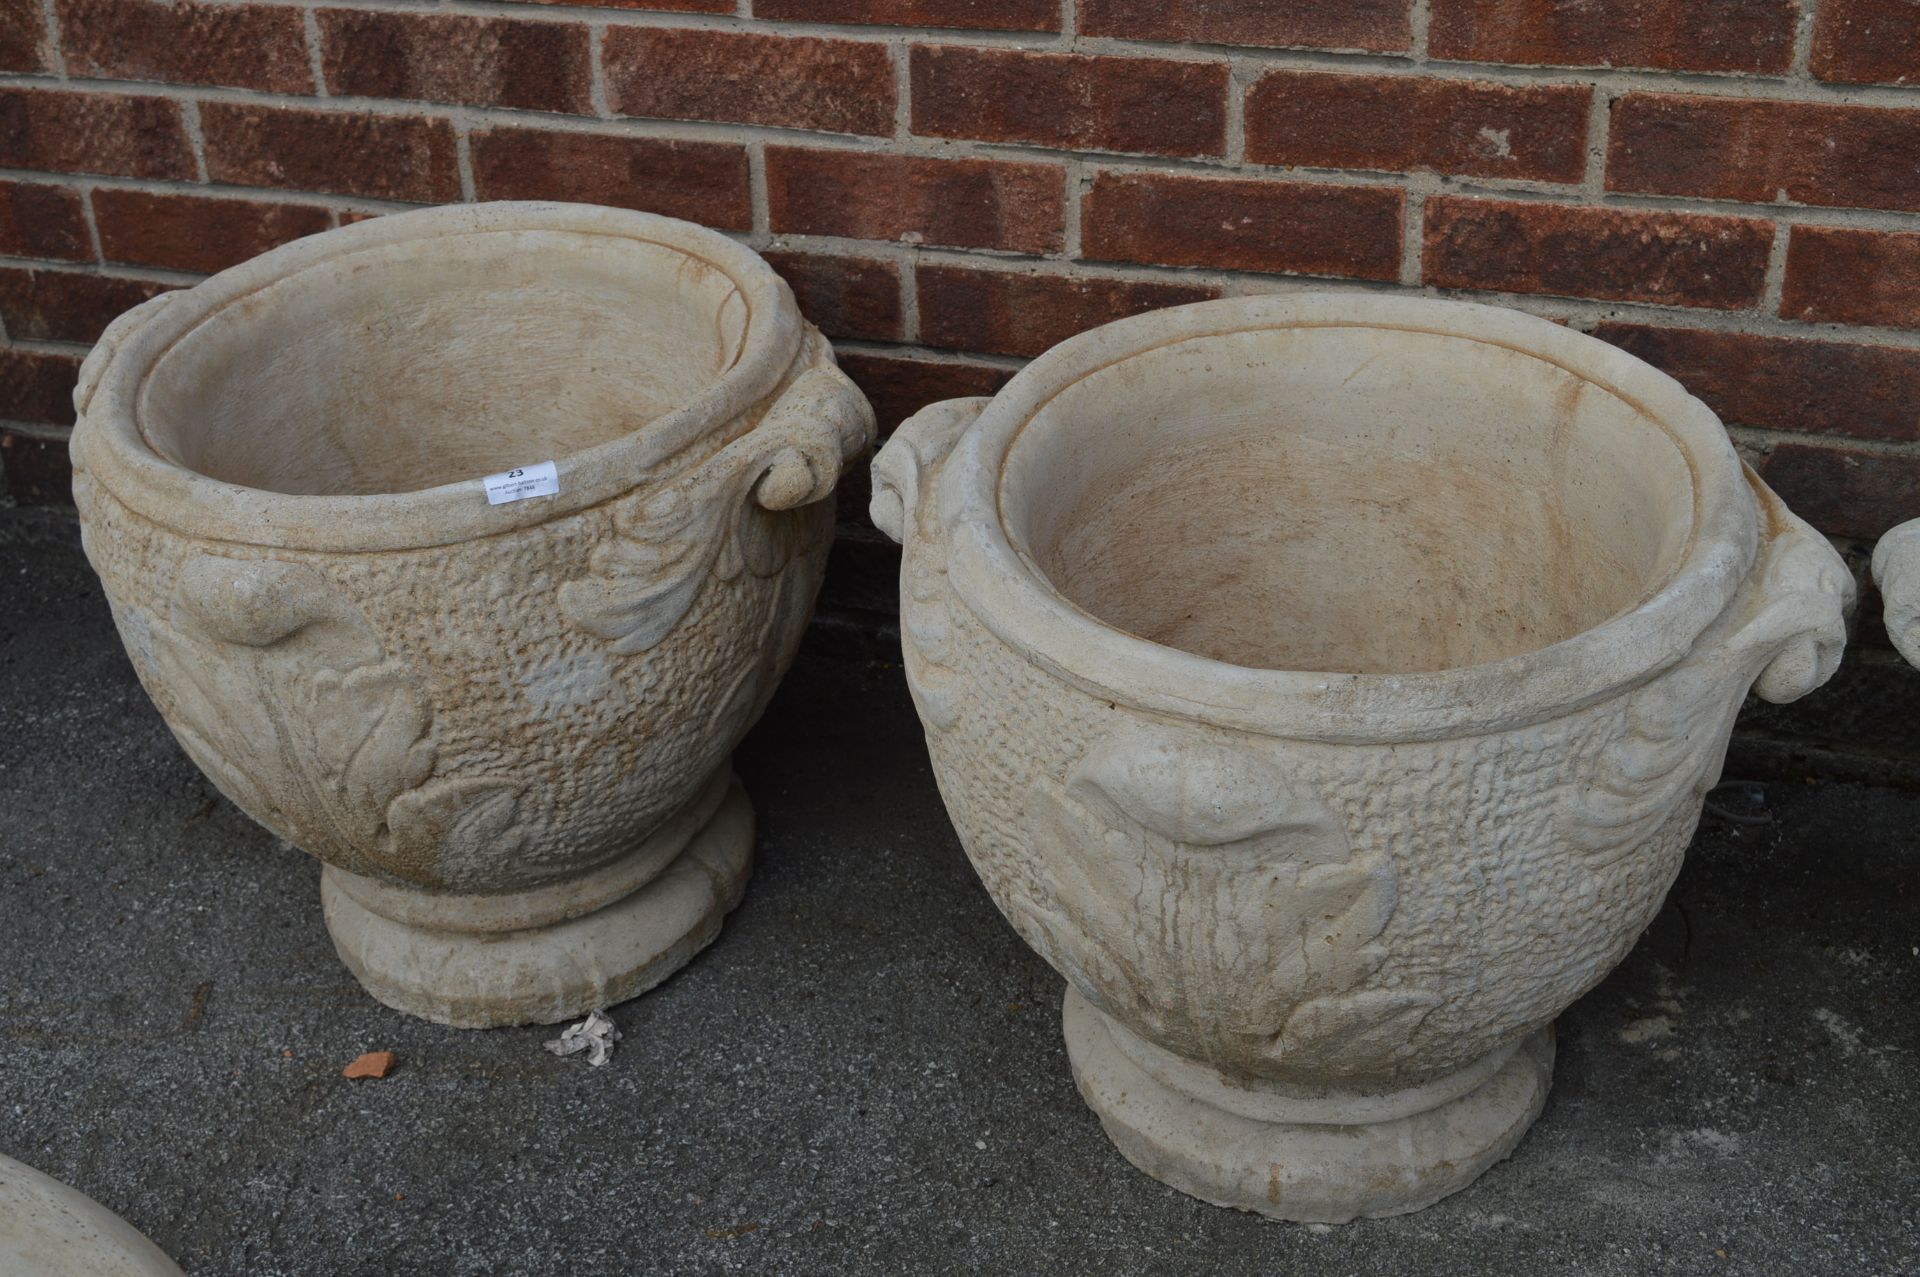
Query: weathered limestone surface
[1327,687]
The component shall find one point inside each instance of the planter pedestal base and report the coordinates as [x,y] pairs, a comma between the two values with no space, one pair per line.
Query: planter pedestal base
[560,951]
[1343,1157]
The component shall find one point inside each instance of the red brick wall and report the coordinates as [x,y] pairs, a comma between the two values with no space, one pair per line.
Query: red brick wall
[1728,188]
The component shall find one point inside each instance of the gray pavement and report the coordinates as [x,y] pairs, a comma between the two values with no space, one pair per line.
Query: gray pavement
[864,1074]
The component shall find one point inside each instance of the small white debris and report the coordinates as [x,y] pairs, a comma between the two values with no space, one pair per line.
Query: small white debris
[595,1035]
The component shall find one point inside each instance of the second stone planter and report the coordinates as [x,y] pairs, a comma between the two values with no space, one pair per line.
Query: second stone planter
[505,727]
[1327,687]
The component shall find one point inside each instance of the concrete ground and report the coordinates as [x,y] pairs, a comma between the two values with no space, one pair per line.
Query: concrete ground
[864,1074]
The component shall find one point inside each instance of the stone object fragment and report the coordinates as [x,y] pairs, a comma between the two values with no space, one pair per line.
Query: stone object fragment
[50,1230]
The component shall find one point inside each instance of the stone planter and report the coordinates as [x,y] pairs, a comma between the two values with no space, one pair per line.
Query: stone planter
[50,1230]
[1327,688]
[1896,571]
[505,728]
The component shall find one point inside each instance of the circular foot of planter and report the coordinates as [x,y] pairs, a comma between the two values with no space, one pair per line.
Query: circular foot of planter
[1396,1157]
[554,954]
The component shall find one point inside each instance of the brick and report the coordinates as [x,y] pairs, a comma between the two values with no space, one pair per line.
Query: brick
[742,77]
[61,305]
[37,386]
[1001,312]
[446,57]
[1377,26]
[1149,106]
[23,37]
[36,465]
[853,297]
[1400,123]
[42,221]
[899,386]
[389,157]
[93,133]
[1758,151]
[1845,492]
[1755,36]
[665,6]
[1786,383]
[1672,259]
[193,232]
[703,182]
[983,15]
[1243,224]
[957,203]
[1866,42]
[1841,276]
[245,46]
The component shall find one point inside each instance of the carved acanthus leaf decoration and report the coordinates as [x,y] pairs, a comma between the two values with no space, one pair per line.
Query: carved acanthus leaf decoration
[331,741]
[643,581]
[738,511]
[1670,753]
[458,825]
[1195,889]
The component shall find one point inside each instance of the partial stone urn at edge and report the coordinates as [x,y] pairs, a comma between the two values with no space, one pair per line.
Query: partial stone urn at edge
[1896,572]
[49,1229]
[1327,687]
[505,729]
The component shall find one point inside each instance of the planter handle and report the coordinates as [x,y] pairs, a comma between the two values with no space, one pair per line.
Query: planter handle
[817,426]
[117,334]
[912,456]
[1799,599]
[1896,570]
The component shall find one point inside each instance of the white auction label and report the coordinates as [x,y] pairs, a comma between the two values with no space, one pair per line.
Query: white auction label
[541,480]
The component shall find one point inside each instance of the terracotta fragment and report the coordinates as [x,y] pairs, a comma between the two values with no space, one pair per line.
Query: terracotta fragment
[373,1064]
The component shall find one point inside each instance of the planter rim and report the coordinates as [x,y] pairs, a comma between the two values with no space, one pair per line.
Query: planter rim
[1012,596]
[110,444]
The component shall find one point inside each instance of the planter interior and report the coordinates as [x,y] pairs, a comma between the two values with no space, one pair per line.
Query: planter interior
[392,371]
[1262,505]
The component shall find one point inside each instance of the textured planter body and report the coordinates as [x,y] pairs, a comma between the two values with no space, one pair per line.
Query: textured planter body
[1327,688]
[50,1230]
[506,728]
